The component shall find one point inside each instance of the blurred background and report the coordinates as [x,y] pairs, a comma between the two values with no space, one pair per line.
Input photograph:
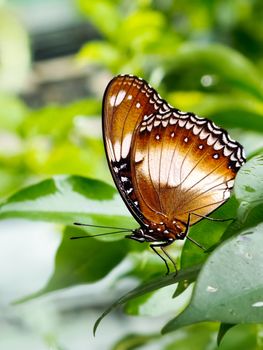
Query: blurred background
[56,58]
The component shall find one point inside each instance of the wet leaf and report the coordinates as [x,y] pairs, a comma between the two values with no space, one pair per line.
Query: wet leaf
[229,288]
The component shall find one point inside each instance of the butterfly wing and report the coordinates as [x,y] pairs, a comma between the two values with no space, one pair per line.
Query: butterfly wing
[127,101]
[183,164]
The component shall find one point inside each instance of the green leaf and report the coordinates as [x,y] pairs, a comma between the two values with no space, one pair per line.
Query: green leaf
[133,341]
[198,337]
[160,302]
[100,52]
[224,328]
[208,234]
[142,29]
[229,288]
[12,112]
[44,121]
[249,182]
[67,199]
[150,287]
[241,337]
[103,14]
[15,52]
[217,60]
[248,190]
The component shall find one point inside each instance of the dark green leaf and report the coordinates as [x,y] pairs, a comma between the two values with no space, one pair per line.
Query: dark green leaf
[249,183]
[208,234]
[230,286]
[248,190]
[223,62]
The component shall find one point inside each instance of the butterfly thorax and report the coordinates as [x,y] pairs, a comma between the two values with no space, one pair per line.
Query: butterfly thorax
[158,233]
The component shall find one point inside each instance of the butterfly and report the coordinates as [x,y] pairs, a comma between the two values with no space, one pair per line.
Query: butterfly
[171,168]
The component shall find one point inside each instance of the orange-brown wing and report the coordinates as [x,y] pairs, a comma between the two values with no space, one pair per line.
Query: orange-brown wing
[182,164]
[127,101]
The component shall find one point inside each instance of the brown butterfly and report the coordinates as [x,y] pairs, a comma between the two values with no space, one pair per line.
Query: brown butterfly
[171,168]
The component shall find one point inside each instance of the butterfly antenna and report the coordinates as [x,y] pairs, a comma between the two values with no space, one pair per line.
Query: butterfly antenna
[100,226]
[99,234]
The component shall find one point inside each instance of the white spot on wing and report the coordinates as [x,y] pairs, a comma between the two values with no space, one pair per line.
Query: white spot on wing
[138,157]
[125,147]
[110,150]
[196,129]
[156,123]
[112,100]
[117,150]
[203,134]
[119,98]
[211,140]
[227,152]
[217,146]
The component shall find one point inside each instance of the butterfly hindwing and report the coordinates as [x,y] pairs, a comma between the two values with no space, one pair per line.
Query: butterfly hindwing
[187,164]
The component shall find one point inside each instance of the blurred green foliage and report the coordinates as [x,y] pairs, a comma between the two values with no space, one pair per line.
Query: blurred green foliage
[203,56]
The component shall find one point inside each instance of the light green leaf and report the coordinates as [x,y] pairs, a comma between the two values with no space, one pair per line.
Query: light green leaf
[67,199]
[142,29]
[103,14]
[134,341]
[150,286]
[101,52]
[12,112]
[224,328]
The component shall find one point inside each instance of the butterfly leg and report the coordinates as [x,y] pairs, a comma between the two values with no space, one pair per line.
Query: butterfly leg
[186,231]
[162,245]
[212,219]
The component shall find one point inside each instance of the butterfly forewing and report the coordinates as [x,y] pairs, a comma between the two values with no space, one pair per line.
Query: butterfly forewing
[167,164]
[127,101]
